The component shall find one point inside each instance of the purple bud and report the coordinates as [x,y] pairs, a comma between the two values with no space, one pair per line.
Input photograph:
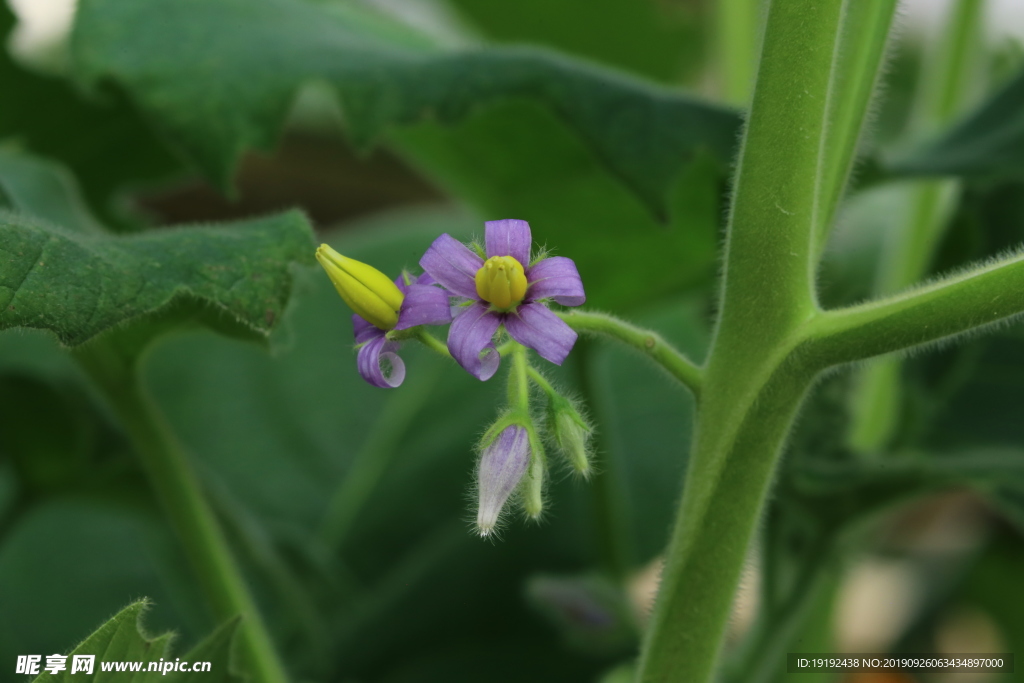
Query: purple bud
[502,464]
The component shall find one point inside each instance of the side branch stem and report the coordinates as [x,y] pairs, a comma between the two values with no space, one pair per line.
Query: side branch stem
[949,307]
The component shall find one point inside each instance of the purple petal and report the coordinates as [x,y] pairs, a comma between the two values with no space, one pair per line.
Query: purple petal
[502,465]
[425,279]
[370,358]
[453,265]
[364,331]
[509,237]
[556,278]
[424,305]
[535,326]
[469,340]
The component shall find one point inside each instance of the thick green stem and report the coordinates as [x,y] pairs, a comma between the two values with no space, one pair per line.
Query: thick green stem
[909,252]
[722,501]
[755,378]
[766,295]
[645,341]
[737,32]
[188,512]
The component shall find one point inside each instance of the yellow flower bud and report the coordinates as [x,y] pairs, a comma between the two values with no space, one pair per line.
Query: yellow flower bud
[501,282]
[366,290]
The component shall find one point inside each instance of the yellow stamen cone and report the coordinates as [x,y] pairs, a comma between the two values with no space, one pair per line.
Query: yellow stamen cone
[501,282]
[367,291]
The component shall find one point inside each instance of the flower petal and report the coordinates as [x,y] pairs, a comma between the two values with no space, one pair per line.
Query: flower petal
[502,466]
[535,326]
[556,278]
[425,279]
[370,358]
[424,305]
[453,265]
[469,340]
[508,237]
[363,330]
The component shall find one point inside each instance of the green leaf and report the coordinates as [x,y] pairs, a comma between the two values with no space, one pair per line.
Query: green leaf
[516,159]
[215,649]
[45,190]
[210,90]
[647,37]
[48,116]
[78,286]
[121,639]
[987,142]
[48,437]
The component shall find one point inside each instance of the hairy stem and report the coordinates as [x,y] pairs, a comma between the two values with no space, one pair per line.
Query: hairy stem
[518,381]
[185,505]
[755,377]
[649,343]
[959,303]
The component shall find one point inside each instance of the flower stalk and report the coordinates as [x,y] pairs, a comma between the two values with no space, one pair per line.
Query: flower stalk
[649,343]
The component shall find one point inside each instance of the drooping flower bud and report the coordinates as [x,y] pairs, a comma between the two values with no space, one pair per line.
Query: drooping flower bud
[501,282]
[367,291]
[502,465]
[572,434]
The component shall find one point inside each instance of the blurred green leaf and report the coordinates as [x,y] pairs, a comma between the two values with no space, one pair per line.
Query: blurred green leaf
[70,563]
[50,439]
[119,639]
[657,39]
[211,91]
[101,138]
[78,286]
[215,649]
[122,640]
[517,160]
[987,142]
[45,190]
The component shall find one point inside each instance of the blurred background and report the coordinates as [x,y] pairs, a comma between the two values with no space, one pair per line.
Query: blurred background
[350,507]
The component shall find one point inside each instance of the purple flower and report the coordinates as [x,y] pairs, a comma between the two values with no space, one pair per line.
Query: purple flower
[502,465]
[504,290]
[377,358]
